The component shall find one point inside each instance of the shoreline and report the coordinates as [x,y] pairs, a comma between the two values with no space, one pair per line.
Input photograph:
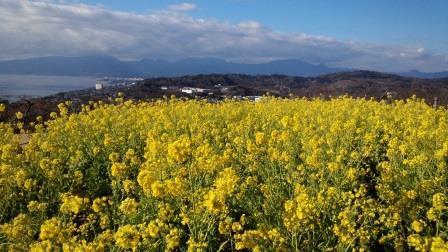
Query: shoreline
[214,87]
[16,87]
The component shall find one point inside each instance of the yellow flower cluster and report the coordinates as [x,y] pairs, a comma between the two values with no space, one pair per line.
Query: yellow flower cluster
[127,237]
[19,231]
[128,206]
[224,186]
[188,175]
[72,204]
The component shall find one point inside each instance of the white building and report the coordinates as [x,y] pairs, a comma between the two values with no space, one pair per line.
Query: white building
[187,90]
[191,90]
[98,86]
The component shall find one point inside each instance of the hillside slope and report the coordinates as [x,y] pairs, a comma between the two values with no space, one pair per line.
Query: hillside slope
[357,84]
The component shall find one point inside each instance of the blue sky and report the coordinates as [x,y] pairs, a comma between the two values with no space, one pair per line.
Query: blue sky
[384,35]
[414,22]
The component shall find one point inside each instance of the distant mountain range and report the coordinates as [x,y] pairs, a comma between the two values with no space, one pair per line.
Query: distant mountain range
[423,75]
[109,66]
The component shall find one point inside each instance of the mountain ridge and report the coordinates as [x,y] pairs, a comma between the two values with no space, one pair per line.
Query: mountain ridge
[99,66]
[424,75]
[107,65]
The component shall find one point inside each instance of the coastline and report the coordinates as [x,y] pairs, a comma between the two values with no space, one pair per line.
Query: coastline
[214,87]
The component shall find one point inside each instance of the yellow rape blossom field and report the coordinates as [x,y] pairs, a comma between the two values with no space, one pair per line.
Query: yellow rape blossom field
[277,175]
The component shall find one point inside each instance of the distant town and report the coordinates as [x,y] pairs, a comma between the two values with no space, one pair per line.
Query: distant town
[109,86]
[114,81]
[216,87]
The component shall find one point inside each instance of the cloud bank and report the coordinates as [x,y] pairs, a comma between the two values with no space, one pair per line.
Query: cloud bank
[44,28]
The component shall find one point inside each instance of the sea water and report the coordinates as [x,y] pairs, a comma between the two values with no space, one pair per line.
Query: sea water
[14,87]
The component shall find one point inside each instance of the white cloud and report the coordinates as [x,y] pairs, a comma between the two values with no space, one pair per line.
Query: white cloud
[421,50]
[182,7]
[42,28]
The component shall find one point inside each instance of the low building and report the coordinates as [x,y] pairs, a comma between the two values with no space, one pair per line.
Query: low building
[187,90]
[192,90]
[254,98]
[98,86]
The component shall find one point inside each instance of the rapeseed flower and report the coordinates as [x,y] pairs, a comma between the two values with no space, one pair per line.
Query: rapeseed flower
[277,175]
[127,237]
[128,206]
[72,203]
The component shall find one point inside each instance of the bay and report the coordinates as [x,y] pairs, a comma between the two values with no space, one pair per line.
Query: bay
[14,87]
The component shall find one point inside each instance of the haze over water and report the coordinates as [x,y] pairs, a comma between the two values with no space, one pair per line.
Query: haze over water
[12,87]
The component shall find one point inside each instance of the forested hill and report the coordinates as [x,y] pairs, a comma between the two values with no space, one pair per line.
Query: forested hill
[356,83]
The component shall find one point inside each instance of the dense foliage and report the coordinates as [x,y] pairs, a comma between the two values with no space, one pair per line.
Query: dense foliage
[274,175]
